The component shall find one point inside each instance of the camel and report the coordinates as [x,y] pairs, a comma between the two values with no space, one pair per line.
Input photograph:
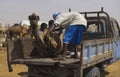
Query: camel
[49,48]
[2,29]
[17,30]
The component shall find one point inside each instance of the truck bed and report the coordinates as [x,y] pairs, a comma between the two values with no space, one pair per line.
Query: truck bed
[93,51]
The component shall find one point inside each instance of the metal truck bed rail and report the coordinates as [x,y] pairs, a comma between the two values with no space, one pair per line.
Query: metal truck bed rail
[46,61]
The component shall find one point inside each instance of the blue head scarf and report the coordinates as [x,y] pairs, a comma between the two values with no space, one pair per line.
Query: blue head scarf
[55,15]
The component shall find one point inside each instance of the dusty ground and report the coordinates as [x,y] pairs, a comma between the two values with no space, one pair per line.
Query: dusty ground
[21,70]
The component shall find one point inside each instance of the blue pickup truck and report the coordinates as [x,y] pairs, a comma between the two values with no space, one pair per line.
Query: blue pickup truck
[100,47]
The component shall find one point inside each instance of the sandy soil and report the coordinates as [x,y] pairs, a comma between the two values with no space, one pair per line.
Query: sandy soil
[19,70]
[112,70]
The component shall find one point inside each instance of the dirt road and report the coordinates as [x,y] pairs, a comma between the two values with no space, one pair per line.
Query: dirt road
[21,70]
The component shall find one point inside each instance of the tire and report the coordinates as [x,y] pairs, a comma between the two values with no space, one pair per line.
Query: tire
[93,73]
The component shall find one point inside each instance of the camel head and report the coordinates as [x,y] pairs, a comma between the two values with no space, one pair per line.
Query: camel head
[33,20]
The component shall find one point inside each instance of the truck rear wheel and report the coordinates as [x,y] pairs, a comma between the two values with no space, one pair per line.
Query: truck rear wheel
[93,72]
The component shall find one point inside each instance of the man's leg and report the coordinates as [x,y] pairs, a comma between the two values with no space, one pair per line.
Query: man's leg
[66,40]
[77,39]
[65,49]
[62,56]
[76,52]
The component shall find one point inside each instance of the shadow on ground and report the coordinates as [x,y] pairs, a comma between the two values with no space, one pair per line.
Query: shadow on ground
[104,73]
[23,74]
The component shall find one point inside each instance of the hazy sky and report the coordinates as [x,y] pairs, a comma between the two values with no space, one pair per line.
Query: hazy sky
[13,11]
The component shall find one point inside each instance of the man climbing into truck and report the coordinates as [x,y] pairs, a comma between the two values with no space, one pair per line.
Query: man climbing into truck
[75,25]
